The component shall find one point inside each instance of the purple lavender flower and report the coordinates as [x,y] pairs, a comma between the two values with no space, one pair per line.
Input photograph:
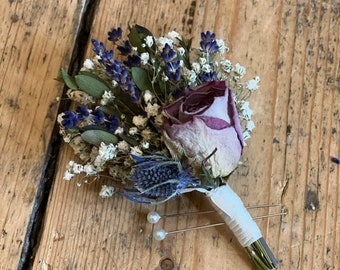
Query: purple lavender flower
[168,54]
[126,49]
[70,120]
[115,34]
[208,76]
[117,70]
[82,112]
[112,123]
[173,71]
[98,117]
[208,43]
[157,179]
[132,61]
[100,50]
[98,47]
[114,68]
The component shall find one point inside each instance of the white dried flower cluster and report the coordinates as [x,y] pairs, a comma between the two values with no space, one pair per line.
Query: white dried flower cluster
[144,57]
[99,156]
[140,121]
[246,115]
[252,85]
[152,109]
[88,65]
[160,42]
[246,112]
[74,168]
[107,97]
[80,96]
[106,191]
[105,153]
[149,41]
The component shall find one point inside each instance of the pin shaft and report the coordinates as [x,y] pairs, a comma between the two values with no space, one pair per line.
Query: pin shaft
[214,211]
[222,223]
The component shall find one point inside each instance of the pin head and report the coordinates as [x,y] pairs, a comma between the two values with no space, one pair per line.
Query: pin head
[153,217]
[159,234]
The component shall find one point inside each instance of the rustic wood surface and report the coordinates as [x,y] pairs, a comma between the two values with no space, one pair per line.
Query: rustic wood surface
[36,38]
[292,45]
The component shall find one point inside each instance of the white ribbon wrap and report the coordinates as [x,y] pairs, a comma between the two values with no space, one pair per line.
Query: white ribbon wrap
[231,208]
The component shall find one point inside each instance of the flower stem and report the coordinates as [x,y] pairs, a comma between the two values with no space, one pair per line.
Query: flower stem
[238,219]
[261,256]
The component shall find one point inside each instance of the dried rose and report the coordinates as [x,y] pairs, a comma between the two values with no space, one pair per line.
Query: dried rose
[202,120]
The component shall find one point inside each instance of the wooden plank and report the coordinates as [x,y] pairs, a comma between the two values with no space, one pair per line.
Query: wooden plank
[36,38]
[307,134]
[293,47]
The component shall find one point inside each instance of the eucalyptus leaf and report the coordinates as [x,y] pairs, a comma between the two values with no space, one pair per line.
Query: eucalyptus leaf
[96,137]
[91,84]
[92,127]
[68,80]
[141,78]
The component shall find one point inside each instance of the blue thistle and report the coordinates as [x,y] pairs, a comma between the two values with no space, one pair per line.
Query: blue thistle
[157,179]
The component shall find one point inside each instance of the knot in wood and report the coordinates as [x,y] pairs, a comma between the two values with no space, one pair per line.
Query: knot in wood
[167,264]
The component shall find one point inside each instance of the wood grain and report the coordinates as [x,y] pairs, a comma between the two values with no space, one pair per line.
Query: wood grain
[36,38]
[309,135]
[292,45]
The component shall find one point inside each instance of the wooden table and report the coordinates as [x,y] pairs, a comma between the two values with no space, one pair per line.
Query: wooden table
[49,223]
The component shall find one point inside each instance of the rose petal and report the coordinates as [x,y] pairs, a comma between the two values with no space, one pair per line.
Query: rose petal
[219,108]
[196,140]
[214,123]
[172,111]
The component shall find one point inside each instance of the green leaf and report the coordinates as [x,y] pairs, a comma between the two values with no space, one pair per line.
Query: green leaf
[135,39]
[129,140]
[141,78]
[110,110]
[206,178]
[137,35]
[96,136]
[68,80]
[143,32]
[91,84]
